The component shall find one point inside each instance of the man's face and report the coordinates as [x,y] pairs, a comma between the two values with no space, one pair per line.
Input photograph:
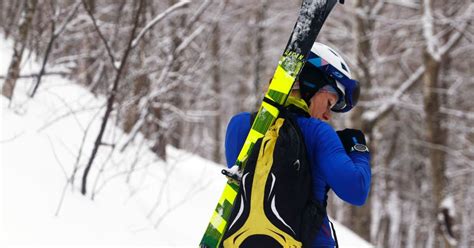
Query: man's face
[321,104]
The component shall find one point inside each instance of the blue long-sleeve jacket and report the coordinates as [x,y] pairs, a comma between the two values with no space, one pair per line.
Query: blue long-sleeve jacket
[348,175]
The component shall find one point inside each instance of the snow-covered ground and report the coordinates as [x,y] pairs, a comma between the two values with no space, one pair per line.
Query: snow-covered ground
[158,205]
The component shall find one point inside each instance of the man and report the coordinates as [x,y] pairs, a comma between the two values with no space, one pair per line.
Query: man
[338,160]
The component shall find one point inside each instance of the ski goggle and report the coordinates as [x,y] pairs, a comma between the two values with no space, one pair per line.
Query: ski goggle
[349,88]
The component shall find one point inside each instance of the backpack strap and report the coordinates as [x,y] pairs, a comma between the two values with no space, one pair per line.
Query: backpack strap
[274,104]
[296,111]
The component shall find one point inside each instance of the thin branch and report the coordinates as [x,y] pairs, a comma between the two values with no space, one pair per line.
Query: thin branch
[453,40]
[100,173]
[70,180]
[405,3]
[65,115]
[135,130]
[16,136]
[189,39]
[147,100]
[378,7]
[457,113]
[372,117]
[96,27]
[45,59]
[61,199]
[456,154]
[199,12]
[81,148]
[136,160]
[111,98]
[56,157]
[68,19]
[118,175]
[54,35]
[70,108]
[158,18]
[432,43]
[35,75]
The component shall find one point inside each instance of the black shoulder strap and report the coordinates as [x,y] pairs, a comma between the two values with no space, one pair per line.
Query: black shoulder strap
[274,104]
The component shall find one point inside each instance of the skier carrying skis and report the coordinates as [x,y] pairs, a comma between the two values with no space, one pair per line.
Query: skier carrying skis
[278,204]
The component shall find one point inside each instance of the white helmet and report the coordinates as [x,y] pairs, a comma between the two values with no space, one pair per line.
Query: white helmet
[326,67]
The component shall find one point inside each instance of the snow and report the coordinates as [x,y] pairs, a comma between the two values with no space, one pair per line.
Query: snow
[448,204]
[39,145]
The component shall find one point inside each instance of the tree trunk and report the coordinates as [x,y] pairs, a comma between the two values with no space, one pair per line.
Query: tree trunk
[83,68]
[216,78]
[141,85]
[360,217]
[13,9]
[13,73]
[158,136]
[175,134]
[259,53]
[435,134]
[111,97]
[45,59]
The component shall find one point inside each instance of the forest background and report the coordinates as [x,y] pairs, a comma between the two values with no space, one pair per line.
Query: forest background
[176,71]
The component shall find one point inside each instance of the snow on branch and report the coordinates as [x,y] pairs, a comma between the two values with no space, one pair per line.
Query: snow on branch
[68,19]
[104,40]
[189,39]
[199,12]
[55,34]
[404,3]
[158,18]
[454,39]
[455,153]
[372,117]
[378,7]
[446,219]
[432,42]
[436,50]
[457,113]
[112,95]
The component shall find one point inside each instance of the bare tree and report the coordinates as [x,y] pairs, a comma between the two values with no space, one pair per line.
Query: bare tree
[55,32]
[29,7]
[364,22]
[113,92]
[216,77]
[433,55]
[194,65]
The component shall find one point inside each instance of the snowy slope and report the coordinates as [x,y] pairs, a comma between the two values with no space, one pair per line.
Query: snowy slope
[39,145]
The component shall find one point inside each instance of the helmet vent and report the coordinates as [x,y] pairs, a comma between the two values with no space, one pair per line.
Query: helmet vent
[344,67]
[333,52]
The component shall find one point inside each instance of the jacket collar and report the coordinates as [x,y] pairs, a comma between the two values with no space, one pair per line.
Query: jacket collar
[298,103]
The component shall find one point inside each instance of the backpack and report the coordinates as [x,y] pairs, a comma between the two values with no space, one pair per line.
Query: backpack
[274,206]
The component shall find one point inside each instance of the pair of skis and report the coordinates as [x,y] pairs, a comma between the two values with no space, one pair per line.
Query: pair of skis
[310,20]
